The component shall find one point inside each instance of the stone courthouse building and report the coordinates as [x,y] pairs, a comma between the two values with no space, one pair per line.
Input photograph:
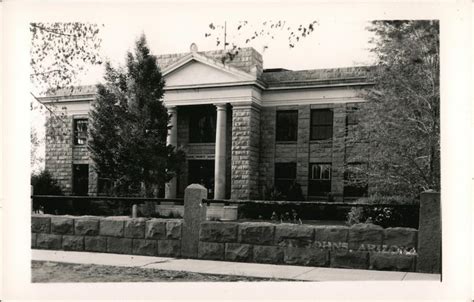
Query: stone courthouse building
[245,130]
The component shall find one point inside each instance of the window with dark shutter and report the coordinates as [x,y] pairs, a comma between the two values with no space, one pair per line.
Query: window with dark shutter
[287,125]
[319,183]
[285,176]
[321,124]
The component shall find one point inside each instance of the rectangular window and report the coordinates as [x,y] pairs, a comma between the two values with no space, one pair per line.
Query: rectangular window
[355,180]
[321,124]
[287,125]
[285,176]
[80,131]
[319,179]
[202,125]
[80,177]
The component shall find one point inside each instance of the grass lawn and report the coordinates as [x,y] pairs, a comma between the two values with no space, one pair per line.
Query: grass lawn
[45,271]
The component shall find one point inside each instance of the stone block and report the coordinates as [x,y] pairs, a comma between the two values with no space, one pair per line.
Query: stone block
[267,254]
[95,243]
[349,259]
[211,250]
[238,252]
[73,243]
[331,233]
[155,229]
[173,229]
[305,256]
[293,234]
[256,232]
[144,247]
[119,245]
[111,227]
[214,231]
[402,237]
[41,224]
[429,234]
[87,226]
[194,215]
[48,241]
[62,225]
[392,262]
[33,240]
[169,248]
[363,234]
[134,228]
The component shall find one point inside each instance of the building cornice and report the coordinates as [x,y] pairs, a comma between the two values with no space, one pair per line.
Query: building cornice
[258,84]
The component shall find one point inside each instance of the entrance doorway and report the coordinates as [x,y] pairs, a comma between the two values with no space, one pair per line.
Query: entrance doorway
[202,172]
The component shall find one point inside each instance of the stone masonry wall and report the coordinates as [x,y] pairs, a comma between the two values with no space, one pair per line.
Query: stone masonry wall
[267,148]
[245,151]
[304,151]
[61,154]
[58,151]
[121,235]
[360,246]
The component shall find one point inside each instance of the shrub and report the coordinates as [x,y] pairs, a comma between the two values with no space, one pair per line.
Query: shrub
[44,184]
[385,216]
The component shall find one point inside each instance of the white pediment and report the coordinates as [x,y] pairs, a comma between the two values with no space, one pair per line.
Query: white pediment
[196,69]
[194,73]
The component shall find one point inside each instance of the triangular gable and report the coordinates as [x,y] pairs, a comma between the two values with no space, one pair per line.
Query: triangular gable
[195,69]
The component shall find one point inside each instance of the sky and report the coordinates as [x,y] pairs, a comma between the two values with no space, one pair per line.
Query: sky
[333,43]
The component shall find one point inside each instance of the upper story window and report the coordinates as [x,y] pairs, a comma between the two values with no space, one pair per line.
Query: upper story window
[287,125]
[80,131]
[321,124]
[319,179]
[202,125]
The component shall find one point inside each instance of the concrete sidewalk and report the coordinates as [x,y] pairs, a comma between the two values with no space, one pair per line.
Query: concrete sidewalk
[301,273]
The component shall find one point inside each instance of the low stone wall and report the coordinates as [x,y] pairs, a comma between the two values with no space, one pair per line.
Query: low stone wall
[360,246]
[122,235]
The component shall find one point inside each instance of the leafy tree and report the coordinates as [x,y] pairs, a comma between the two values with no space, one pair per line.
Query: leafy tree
[59,52]
[245,33]
[129,125]
[401,122]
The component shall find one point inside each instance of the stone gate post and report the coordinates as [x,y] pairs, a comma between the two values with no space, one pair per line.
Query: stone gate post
[194,214]
[429,234]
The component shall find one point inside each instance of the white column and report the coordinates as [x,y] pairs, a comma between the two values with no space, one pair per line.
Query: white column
[220,156]
[172,139]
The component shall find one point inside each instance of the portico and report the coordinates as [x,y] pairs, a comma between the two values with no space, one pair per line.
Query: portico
[216,99]
[220,156]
